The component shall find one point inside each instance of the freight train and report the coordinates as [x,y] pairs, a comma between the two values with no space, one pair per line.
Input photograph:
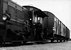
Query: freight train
[23,24]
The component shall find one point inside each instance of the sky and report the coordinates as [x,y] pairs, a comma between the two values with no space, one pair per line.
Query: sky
[60,8]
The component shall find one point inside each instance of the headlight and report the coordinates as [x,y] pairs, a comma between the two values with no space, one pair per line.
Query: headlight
[30,19]
[4,17]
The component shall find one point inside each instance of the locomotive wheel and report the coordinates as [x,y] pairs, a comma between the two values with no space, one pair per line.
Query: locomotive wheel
[23,42]
[62,40]
[55,40]
[58,41]
[52,40]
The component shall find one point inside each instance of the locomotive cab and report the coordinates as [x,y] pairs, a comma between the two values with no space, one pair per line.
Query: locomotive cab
[37,21]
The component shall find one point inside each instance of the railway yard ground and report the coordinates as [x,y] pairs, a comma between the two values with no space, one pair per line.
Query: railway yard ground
[48,46]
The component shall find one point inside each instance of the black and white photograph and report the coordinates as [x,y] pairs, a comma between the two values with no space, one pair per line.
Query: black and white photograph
[35,24]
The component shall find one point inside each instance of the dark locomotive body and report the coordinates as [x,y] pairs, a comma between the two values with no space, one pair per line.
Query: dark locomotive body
[14,25]
[28,23]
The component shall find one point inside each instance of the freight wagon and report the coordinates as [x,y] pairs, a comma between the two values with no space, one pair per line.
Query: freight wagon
[57,31]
